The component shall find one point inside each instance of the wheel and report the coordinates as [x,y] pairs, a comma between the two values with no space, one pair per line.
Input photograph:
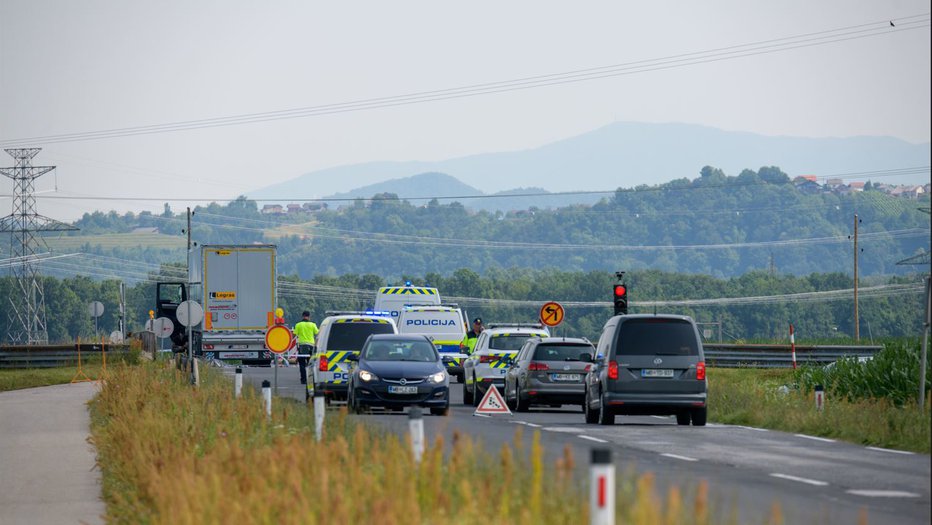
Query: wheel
[605,415]
[353,405]
[522,405]
[467,395]
[440,411]
[592,417]
[476,393]
[509,402]
[699,416]
[682,418]
[461,377]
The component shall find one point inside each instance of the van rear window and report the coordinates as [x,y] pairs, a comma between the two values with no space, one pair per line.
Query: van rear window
[351,336]
[656,336]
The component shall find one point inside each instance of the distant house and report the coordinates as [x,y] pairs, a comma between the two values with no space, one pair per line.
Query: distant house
[834,183]
[908,192]
[314,206]
[856,186]
[294,208]
[811,178]
[272,209]
[807,184]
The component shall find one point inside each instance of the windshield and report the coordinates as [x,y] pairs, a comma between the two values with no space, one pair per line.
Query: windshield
[351,336]
[562,352]
[657,336]
[421,351]
[509,342]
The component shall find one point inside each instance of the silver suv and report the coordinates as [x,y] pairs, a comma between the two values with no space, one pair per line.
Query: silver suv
[648,364]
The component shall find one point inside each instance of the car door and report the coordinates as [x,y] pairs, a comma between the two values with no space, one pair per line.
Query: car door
[596,374]
[514,371]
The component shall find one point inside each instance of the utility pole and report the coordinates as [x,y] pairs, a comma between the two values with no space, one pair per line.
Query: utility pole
[190,298]
[857,323]
[27,297]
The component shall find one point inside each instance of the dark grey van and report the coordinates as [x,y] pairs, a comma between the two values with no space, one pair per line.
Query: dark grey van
[648,365]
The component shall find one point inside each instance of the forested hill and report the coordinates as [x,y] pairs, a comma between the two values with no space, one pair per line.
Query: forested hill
[714,224]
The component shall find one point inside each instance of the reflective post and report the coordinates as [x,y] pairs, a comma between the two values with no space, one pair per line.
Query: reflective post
[267,396]
[416,426]
[819,397]
[601,488]
[238,383]
[320,406]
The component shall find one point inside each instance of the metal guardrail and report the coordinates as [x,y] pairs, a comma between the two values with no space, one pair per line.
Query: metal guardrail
[50,356]
[779,356]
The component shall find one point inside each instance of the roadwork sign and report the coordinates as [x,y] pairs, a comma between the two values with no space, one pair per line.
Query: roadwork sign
[279,339]
[552,313]
[492,403]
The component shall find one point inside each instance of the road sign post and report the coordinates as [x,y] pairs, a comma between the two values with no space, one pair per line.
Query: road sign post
[278,339]
[96,309]
[189,314]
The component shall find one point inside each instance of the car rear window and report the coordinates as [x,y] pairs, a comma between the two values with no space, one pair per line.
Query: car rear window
[561,352]
[351,336]
[656,336]
[509,342]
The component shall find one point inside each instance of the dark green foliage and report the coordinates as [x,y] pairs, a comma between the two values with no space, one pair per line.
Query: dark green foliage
[893,374]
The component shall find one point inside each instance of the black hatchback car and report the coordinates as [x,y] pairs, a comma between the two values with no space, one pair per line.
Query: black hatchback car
[396,371]
[650,364]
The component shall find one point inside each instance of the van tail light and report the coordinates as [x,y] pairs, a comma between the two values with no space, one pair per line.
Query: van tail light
[322,364]
[538,367]
[700,371]
[613,369]
[485,359]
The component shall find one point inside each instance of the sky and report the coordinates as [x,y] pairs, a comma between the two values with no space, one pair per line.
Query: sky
[73,67]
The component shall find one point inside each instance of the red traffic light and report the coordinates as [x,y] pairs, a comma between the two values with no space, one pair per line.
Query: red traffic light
[620,290]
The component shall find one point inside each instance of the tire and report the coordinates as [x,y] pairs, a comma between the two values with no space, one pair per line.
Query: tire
[440,411]
[476,393]
[520,404]
[353,405]
[510,403]
[592,417]
[461,377]
[605,415]
[467,395]
[682,418]
[699,416]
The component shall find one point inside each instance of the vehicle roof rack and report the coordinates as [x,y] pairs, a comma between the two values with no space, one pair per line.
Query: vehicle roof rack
[515,325]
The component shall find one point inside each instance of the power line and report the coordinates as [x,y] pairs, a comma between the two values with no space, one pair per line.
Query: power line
[580,75]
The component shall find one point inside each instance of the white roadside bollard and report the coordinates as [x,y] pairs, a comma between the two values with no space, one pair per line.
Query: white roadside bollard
[197,375]
[267,396]
[416,425]
[320,407]
[238,383]
[819,397]
[602,488]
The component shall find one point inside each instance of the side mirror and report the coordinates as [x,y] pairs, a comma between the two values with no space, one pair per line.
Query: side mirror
[599,357]
[353,357]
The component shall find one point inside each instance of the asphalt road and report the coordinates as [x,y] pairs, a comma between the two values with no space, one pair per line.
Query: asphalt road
[814,480]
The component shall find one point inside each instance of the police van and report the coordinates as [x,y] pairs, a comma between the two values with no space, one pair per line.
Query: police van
[445,325]
[392,299]
[341,335]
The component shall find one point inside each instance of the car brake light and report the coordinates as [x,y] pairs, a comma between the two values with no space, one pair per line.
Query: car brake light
[613,369]
[538,367]
[700,371]
[588,368]
[208,347]
[322,364]
[485,359]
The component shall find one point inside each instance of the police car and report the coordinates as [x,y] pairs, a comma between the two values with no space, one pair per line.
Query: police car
[446,328]
[495,350]
[341,335]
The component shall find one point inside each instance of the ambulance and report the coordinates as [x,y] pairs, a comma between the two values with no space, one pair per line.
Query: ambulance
[445,325]
[341,335]
[392,299]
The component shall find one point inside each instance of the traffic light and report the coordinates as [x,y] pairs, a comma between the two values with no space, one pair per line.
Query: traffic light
[621,299]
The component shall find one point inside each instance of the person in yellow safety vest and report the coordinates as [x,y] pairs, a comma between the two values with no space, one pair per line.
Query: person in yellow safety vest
[306,332]
[469,342]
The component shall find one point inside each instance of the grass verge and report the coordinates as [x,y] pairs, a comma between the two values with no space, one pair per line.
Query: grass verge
[752,397]
[19,378]
[172,454]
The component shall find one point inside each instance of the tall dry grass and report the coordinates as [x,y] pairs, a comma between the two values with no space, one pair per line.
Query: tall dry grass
[177,455]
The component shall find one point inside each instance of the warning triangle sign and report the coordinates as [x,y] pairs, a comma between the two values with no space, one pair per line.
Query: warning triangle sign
[492,403]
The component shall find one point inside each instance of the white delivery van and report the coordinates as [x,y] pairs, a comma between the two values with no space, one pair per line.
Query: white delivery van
[444,325]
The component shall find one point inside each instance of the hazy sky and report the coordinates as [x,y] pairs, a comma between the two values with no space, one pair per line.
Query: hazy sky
[91,65]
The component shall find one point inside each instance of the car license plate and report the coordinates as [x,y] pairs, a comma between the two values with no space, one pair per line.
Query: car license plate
[564,377]
[657,372]
[402,390]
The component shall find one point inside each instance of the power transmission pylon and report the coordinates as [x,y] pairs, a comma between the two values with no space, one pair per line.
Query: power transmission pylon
[27,315]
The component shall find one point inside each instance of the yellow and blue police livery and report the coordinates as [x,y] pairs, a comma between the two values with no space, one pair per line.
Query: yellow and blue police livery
[495,350]
[445,326]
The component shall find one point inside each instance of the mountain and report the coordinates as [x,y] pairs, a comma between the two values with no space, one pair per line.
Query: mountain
[422,185]
[627,154]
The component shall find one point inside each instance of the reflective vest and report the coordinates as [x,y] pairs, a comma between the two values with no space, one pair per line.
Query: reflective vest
[469,342]
[305,331]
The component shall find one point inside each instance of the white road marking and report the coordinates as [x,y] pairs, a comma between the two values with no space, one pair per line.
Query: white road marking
[677,456]
[815,438]
[883,493]
[532,425]
[482,415]
[752,428]
[569,430]
[894,451]
[661,417]
[519,422]
[597,440]
[801,480]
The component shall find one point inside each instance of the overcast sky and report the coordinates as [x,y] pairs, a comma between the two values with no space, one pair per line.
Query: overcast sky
[69,67]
